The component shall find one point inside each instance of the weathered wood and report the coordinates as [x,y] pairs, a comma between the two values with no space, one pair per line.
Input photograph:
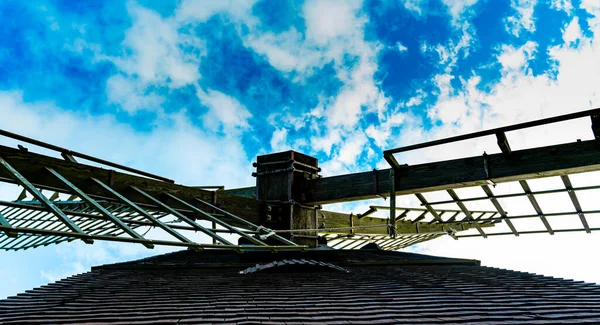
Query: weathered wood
[575,202]
[329,219]
[32,166]
[554,160]
[503,143]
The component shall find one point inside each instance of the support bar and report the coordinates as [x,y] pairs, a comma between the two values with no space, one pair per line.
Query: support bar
[575,202]
[183,217]
[210,217]
[465,211]
[250,224]
[69,153]
[40,197]
[143,212]
[536,206]
[84,197]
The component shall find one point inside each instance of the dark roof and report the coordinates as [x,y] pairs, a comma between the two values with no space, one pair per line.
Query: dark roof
[380,288]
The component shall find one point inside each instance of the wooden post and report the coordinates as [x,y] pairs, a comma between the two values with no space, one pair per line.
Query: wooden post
[392,230]
[281,185]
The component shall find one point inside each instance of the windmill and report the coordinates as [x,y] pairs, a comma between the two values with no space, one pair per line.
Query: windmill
[66,195]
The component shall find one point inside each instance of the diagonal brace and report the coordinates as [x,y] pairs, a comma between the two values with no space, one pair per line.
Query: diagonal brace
[466,211]
[143,212]
[182,217]
[211,218]
[98,207]
[47,203]
[4,222]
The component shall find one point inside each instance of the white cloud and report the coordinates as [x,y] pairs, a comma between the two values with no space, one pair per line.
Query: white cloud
[572,32]
[126,92]
[346,158]
[381,133]
[328,41]
[458,7]
[414,6]
[564,5]
[156,54]
[279,140]
[287,51]
[198,11]
[174,137]
[513,58]
[323,28]
[523,18]
[225,112]
[153,57]
[455,49]
[401,48]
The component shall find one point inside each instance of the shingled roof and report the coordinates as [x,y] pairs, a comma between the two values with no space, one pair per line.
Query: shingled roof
[314,287]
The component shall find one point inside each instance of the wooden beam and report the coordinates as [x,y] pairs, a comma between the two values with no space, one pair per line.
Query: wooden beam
[503,143]
[368,225]
[554,160]
[32,166]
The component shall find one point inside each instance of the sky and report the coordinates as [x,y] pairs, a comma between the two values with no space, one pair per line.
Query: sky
[195,90]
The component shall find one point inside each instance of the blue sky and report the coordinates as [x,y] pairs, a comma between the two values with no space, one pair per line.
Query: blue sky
[194,90]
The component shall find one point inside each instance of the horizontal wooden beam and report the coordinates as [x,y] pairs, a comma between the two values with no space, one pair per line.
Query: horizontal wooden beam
[368,225]
[554,160]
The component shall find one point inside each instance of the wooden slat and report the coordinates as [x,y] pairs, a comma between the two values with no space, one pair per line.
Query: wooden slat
[466,211]
[211,218]
[428,207]
[4,222]
[496,203]
[32,166]
[98,207]
[183,218]
[575,201]
[536,206]
[40,197]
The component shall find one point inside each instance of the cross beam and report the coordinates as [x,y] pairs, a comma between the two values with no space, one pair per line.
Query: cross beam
[556,160]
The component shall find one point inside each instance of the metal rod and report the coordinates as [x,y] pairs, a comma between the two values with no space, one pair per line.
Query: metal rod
[5,223]
[509,128]
[65,151]
[526,216]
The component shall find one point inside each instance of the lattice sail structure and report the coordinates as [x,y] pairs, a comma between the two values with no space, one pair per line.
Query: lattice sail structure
[96,209]
[550,189]
[547,190]
[416,216]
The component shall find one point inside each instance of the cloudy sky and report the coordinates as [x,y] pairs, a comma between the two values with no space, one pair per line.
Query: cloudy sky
[195,90]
